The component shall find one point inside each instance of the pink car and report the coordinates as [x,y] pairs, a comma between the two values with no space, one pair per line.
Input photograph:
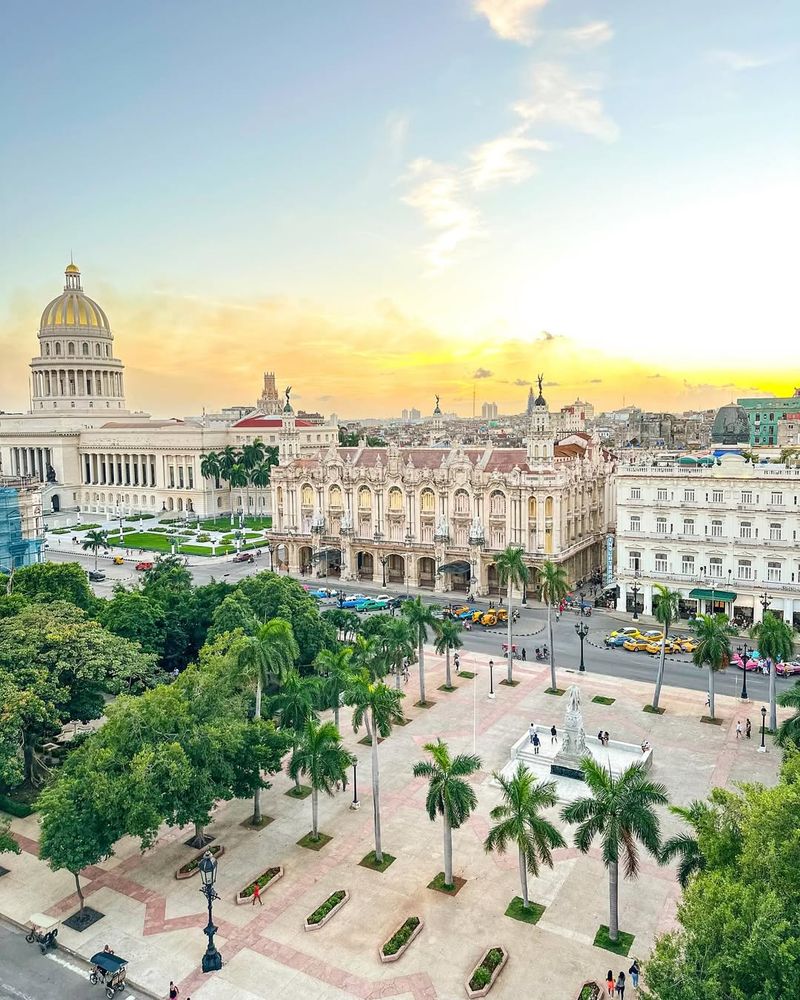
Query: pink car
[788,669]
[752,664]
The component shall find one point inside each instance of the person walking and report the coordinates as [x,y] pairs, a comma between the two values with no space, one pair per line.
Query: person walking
[553,734]
[738,729]
[173,991]
[257,895]
[457,662]
[524,654]
[621,986]
[536,744]
[610,983]
[633,972]
[747,729]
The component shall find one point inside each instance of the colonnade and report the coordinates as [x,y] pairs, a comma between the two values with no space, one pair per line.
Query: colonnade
[30,462]
[77,382]
[118,469]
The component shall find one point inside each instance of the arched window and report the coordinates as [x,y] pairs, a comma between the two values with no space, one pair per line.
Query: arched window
[108,350]
[548,507]
[47,350]
[58,349]
[97,350]
[85,349]
[497,503]
[395,499]
[461,502]
[335,496]
[70,349]
[427,501]
[280,494]
[365,498]
[307,496]
[532,508]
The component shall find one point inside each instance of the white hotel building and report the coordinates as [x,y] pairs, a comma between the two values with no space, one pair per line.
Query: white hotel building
[725,536]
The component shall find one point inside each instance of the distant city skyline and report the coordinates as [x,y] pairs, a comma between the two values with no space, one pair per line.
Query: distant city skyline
[379,200]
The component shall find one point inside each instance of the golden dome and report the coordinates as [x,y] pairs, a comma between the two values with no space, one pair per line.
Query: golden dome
[72,269]
[73,308]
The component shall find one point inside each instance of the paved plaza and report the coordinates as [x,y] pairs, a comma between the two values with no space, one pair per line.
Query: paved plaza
[156,921]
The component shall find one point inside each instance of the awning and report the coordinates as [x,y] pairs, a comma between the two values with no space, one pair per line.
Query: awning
[323,553]
[726,596]
[459,566]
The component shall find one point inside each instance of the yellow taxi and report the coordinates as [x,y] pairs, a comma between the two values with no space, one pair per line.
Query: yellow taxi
[688,645]
[672,646]
[636,645]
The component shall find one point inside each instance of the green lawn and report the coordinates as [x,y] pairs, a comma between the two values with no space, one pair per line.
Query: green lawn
[224,523]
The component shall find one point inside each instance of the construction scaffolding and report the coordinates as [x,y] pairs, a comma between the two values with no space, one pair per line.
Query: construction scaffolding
[21,526]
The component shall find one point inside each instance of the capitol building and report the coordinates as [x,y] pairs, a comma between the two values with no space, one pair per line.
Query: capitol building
[92,454]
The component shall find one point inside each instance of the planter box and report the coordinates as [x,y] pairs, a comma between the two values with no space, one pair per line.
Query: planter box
[402,950]
[591,990]
[190,874]
[244,900]
[472,994]
[329,915]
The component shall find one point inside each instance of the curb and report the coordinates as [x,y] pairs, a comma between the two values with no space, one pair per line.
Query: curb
[130,983]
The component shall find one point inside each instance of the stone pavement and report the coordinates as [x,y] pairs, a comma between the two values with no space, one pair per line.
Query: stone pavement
[156,921]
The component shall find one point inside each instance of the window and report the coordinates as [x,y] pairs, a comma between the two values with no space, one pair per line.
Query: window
[462,502]
[365,498]
[395,499]
[71,349]
[744,570]
[307,496]
[532,509]
[108,350]
[688,526]
[427,502]
[58,349]
[661,494]
[745,529]
[97,350]
[85,349]
[47,350]
[687,565]
[776,498]
[497,503]
[635,561]
[335,496]
[715,566]
[775,532]
[774,572]
[190,474]
[688,496]
[661,525]
[661,562]
[716,529]
[717,496]
[636,493]
[747,496]
[636,523]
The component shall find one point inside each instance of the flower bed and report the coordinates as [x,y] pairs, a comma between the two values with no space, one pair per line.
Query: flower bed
[399,942]
[327,910]
[591,991]
[192,867]
[486,972]
[264,881]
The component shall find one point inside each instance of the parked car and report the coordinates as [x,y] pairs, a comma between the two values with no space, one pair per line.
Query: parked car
[96,575]
[652,634]
[615,641]
[688,645]
[753,662]
[353,600]
[629,633]
[788,668]
[144,565]
[654,647]
[322,593]
[372,604]
[636,645]
[243,557]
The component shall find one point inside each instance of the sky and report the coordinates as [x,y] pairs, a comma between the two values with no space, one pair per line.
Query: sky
[385,200]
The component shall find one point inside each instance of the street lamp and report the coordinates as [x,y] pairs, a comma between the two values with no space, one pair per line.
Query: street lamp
[355,804]
[383,560]
[765,600]
[212,960]
[763,747]
[491,678]
[583,630]
[409,539]
[744,654]
[636,591]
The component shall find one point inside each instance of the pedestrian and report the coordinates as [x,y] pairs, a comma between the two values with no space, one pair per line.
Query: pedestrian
[747,729]
[600,737]
[605,738]
[621,986]
[738,729]
[257,895]
[553,734]
[524,655]
[531,732]
[536,744]
[457,661]
[634,973]
[610,983]
[173,990]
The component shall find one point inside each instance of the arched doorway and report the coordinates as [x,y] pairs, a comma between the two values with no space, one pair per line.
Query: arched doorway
[426,572]
[56,502]
[365,565]
[493,580]
[396,569]
[304,558]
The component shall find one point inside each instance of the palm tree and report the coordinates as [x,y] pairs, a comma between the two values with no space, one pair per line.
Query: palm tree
[449,793]
[789,730]
[336,672]
[447,638]
[512,571]
[685,846]
[321,757]
[210,467]
[375,701]
[396,642]
[554,584]
[295,705]
[518,822]
[666,613]
[775,642]
[237,477]
[713,648]
[252,456]
[260,476]
[621,811]
[420,617]
[268,655]
[95,540]
[227,458]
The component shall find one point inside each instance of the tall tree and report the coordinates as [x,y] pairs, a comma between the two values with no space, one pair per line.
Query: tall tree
[272,596]
[620,811]
[235,611]
[512,571]
[554,584]
[518,822]
[321,757]
[789,730]
[50,582]
[713,649]
[336,674]
[95,540]
[775,642]
[420,618]
[134,616]
[295,705]
[450,795]
[375,701]
[210,467]
[666,613]
[397,644]
[448,637]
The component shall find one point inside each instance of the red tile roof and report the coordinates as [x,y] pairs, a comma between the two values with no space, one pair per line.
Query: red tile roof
[275,422]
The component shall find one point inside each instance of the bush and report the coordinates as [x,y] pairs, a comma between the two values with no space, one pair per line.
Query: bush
[190,866]
[60,531]
[322,911]
[261,881]
[203,537]
[15,808]
[480,979]
[483,974]
[399,938]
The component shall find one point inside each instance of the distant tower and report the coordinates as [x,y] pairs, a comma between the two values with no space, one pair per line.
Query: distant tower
[437,419]
[269,401]
[531,402]
[540,434]
[288,438]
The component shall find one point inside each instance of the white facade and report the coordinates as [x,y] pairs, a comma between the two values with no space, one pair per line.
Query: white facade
[729,531]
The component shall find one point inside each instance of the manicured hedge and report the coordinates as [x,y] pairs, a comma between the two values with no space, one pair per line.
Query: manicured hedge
[322,911]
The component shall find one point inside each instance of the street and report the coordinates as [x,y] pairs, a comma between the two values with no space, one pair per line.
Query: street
[530,631]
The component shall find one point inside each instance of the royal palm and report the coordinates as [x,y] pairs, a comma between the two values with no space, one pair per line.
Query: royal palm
[396,642]
[336,673]
[295,704]
[620,811]
[320,756]
[518,823]
[511,571]
[666,613]
[554,585]
[447,638]
[95,540]
[713,648]
[450,795]
[420,617]
[776,644]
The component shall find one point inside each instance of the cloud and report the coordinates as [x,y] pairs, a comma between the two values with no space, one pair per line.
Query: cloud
[438,194]
[655,376]
[560,99]
[396,128]
[595,381]
[588,36]
[739,61]
[550,385]
[511,19]
[503,160]
[483,373]
[521,381]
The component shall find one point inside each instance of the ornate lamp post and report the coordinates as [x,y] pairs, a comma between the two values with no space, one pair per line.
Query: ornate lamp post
[355,804]
[477,539]
[318,529]
[763,747]
[765,600]
[491,678]
[409,541]
[212,960]
[744,653]
[583,630]
[636,589]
